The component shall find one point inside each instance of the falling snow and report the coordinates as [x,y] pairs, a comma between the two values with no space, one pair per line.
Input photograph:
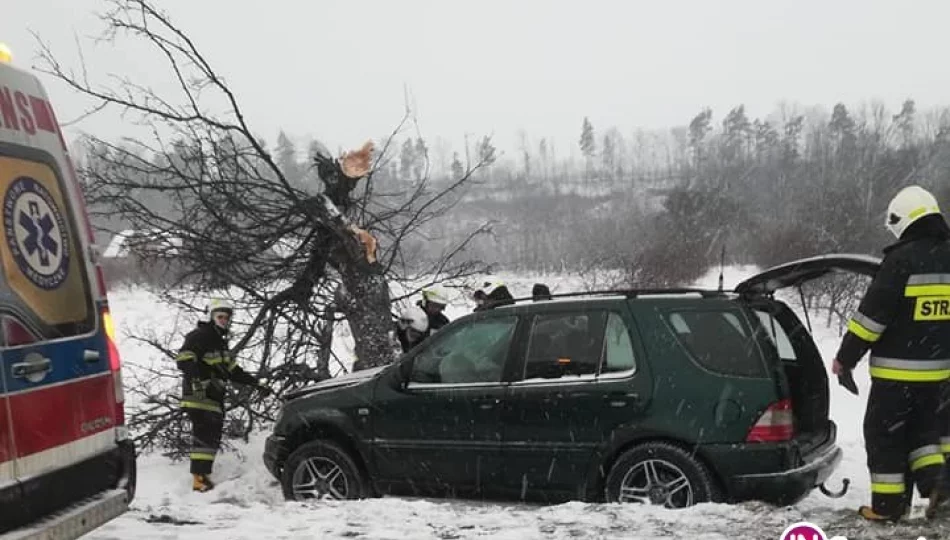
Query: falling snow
[248,502]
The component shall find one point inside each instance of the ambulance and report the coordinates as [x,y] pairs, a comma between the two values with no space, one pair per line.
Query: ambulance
[67,465]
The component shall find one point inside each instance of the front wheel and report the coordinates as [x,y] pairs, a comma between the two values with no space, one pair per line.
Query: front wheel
[322,470]
[660,474]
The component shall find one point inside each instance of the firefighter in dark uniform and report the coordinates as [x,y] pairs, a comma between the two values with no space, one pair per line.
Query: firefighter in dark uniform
[491,294]
[418,322]
[206,365]
[904,321]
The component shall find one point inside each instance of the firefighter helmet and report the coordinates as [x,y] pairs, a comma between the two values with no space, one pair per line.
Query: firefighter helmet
[413,317]
[909,205]
[485,287]
[220,305]
[435,295]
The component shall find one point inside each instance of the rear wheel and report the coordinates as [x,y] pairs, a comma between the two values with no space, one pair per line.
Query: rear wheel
[322,470]
[661,474]
[130,471]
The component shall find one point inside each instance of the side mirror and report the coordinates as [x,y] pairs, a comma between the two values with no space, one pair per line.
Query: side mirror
[402,374]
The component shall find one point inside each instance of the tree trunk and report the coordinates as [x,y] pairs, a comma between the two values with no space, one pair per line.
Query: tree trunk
[325,339]
[364,295]
[364,299]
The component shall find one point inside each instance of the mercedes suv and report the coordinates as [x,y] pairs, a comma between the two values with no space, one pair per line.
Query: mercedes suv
[669,397]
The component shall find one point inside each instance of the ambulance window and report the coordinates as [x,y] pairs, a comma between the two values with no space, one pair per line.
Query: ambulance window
[15,334]
[42,269]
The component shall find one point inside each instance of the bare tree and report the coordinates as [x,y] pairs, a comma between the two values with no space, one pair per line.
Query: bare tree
[297,258]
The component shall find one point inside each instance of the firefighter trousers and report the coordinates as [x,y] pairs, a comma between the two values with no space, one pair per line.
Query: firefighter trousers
[206,427]
[943,413]
[902,438]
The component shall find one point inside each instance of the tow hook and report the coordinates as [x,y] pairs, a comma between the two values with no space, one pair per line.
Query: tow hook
[836,494]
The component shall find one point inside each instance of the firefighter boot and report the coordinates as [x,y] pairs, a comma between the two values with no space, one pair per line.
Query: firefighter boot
[202,483]
[869,514]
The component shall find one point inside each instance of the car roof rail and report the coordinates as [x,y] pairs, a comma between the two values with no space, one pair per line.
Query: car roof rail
[626,293]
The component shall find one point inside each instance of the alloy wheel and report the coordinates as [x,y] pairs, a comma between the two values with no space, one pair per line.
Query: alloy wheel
[319,477]
[659,482]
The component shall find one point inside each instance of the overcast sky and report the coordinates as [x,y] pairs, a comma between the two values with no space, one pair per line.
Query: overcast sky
[337,69]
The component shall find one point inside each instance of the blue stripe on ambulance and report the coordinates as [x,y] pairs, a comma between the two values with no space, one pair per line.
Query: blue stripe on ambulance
[67,361]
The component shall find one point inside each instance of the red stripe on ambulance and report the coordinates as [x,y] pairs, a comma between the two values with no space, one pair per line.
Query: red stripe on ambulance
[58,404]
[23,112]
[6,445]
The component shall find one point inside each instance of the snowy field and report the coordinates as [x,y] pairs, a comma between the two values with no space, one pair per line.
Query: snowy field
[247,502]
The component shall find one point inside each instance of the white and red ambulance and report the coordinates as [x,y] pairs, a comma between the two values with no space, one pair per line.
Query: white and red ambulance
[66,462]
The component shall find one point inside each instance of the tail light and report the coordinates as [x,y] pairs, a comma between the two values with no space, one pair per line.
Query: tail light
[115,365]
[776,424]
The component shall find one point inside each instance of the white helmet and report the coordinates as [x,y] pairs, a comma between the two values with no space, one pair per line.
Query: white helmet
[413,317]
[909,205]
[488,285]
[218,305]
[436,295]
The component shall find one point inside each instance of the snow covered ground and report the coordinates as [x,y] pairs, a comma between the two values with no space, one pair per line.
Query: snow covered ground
[248,502]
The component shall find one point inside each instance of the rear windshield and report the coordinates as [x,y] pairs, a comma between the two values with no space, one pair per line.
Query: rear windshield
[43,281]
[719,341]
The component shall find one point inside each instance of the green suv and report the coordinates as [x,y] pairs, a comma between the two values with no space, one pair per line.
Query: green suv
[670,397]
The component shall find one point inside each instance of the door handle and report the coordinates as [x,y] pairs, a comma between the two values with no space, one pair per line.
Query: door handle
[621,399]
[34,370]
[90,355]
[488,404]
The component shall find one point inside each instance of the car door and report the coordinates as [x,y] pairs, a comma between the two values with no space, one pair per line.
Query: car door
[796,272]
[442,429]
[578,383]
[794,346]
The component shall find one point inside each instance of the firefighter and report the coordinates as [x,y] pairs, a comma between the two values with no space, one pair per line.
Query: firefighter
[412,327]
[540,292]
[434,300]
[420,321]
[492,293]
[206,366]
[904,321]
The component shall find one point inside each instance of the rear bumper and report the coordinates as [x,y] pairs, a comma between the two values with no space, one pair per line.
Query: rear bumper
[791,485]
[73,501]
[77,521]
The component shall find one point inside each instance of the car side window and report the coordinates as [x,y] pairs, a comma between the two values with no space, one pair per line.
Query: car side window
[618,349]
[777,335]
[564,344]
[471,353]
[719,341]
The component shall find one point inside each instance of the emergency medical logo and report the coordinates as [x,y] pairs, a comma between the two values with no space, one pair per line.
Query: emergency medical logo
[36,233]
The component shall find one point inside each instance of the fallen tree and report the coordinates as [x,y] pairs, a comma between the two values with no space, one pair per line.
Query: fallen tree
[297,259]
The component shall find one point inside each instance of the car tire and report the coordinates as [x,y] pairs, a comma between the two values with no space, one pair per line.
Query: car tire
[319,470]
[130,470]
[660,473]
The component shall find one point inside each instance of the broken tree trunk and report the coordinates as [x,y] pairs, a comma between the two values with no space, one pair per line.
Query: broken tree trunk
[363,297]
